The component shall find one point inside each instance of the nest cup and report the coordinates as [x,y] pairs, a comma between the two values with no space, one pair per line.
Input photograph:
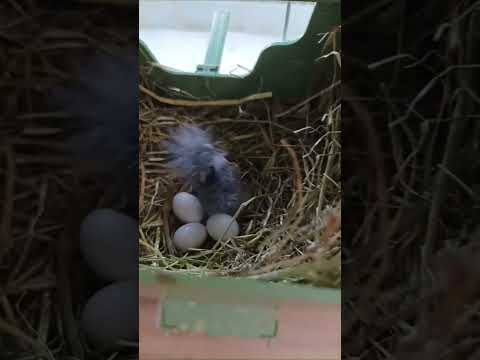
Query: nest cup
[291,168]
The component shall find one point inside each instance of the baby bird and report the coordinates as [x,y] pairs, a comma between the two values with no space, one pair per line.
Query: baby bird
[196,160]
[102,101]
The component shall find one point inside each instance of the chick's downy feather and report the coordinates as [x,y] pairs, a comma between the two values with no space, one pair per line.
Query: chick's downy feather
[195,159]
[102,101]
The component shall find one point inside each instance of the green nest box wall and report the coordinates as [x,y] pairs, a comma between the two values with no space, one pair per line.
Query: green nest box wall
[287,69]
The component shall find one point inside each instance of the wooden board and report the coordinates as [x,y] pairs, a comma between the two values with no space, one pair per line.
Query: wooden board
[285,323]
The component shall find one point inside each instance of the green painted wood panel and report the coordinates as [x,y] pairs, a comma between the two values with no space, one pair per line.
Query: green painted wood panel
[183,285]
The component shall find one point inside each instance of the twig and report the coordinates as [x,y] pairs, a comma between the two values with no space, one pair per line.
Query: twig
[306,101]
[193,103]
[36,344]
[297,182]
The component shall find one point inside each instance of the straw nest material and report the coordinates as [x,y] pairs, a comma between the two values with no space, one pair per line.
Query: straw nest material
[290,160]
[411,182]
[43,287]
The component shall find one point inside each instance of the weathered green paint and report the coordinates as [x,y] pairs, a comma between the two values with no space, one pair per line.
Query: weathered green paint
[284,68]
[218,319]
[245,290]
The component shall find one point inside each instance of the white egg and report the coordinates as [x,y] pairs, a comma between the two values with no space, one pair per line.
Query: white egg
[187,208]
[189,236]
[109,244]
[111,315]
[222,227]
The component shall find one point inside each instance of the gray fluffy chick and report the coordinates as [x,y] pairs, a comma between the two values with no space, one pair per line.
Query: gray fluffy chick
[195,159]
[102,99]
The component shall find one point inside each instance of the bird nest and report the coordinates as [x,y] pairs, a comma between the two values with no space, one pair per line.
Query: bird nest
[44,284]
[289,158]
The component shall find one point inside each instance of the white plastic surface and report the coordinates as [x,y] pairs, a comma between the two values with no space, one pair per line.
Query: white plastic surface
[177,31]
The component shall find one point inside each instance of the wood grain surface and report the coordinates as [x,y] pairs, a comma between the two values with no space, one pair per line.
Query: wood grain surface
[305,330]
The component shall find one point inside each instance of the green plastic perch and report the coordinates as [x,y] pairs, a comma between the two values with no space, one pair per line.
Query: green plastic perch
[216,44]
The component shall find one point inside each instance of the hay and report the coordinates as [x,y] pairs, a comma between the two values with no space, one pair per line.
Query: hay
[410,269]
[290,160]
[43,287]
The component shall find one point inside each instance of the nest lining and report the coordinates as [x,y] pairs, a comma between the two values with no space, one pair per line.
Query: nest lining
[291,167]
